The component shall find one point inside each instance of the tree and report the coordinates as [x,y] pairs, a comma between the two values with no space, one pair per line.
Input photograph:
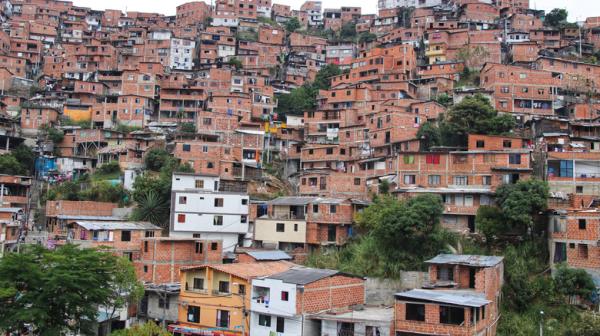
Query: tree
[104,191]
[188,127]
[412,224]
[404,15]
[146,329]
[473,115]
[323,77]
[25,156]
[124,286]
[348,31]
[491,223]
[157,158]
[556,17]
[587,324]
[292,25]
[54,135]
[10,166]
[366,37]
[429,135]
[384,187]
[570,281]
[234,62]
[444,99]
[54,291]
[153,208]
[522,203]
[109,168]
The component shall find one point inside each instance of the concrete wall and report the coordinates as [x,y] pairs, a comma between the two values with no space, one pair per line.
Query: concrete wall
[381,291]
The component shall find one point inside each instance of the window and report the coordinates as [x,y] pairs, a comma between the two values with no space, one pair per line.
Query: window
[415,312]
[198,283]
[146,246]
[514,159]
[461,180]
[487,180]
[280,227]
[149,234]
[409,159]
[582,251]
[210,165]
[222,318]
[244,201]
[507,144]
[205,149]
[187,147]
[432,159]
[218,202]
[224,286]
[280,325]
[180,218]
[566,168]
[579,189]
[480,144]
[214,246]
[332,208]
[331,233]
[243,219]
[452,315]
[193,314]
[242,289]
[433,179]
[356,181]
[329,151]
[285,296]
[445,273]
[218,220]
[409,179]
[199,247]
[315,208]
[182,200]
[264,320]
[582,224]
[145,269]
[125,235]
[199,184]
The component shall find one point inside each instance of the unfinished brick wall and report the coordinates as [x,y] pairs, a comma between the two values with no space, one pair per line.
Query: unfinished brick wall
[79,208]
[161,260]
[337,291]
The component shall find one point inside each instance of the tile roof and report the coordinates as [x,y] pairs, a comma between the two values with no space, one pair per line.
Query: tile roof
[248,270]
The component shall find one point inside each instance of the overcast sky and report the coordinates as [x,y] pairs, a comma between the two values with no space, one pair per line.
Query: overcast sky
[578,9]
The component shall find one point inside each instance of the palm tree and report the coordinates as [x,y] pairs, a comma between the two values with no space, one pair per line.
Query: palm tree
[153,208]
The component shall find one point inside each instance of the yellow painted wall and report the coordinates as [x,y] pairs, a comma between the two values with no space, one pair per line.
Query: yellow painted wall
[210,303]
[78,114]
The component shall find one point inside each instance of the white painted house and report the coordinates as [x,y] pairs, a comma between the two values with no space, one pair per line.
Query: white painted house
[201,208]
[182,54]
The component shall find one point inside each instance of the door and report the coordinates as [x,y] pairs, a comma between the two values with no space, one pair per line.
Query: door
[471,220]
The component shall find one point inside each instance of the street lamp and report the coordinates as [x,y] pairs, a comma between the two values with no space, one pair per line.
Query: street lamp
[541,323]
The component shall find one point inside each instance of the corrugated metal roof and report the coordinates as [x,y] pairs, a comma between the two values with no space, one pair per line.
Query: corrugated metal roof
[456,297]
[10,209]
[303,275]
[305,200]
[291,200]
[116,225]
[93,218]
[269,255]
[466,259]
